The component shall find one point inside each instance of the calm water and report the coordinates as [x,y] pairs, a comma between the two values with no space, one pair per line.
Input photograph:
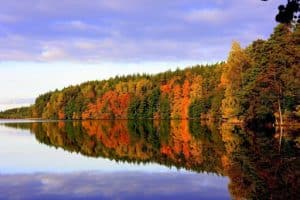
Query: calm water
[146,160]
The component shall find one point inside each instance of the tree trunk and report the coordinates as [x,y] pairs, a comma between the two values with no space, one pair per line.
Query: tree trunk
[280,113]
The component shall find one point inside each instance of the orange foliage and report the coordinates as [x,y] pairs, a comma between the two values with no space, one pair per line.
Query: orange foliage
[61,124]
[110,105]
[165,89]
[181,143]
[186,99]
[112,136]
[177,102]
[61,114]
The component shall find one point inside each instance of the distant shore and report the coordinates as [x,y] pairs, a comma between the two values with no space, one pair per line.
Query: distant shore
[289,124]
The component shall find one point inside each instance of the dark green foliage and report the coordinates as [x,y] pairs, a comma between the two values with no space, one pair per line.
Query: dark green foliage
[289,102]
[153,102]
[144,107]
[216,102]
[273,77]
[133,109]
[199,131]
[288,13]
[70,109]
[199,107]
[165,109]
[41,102]
[17,113]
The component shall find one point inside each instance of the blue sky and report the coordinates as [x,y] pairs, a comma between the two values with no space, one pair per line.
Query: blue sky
[53,43]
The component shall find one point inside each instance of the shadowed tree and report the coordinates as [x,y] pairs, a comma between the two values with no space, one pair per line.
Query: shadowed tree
[288,13]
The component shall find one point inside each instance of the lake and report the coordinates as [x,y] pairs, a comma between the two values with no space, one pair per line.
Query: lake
[146,160]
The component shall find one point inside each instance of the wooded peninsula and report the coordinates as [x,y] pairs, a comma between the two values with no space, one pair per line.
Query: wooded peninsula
[260,83]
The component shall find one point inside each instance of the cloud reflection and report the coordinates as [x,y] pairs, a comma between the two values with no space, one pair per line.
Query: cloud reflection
[129,185]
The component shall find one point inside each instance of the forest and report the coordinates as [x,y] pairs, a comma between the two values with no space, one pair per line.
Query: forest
[258,83]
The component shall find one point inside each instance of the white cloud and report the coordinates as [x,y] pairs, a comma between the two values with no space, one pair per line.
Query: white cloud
[77,25]
[4,18]
[101,31]
[214,16]
[6,103]
[16,47]
[53,53]
[85,45]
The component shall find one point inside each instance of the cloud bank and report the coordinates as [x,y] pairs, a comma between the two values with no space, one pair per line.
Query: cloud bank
[129,31]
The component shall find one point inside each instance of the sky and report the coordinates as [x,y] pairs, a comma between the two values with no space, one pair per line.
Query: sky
[51,44]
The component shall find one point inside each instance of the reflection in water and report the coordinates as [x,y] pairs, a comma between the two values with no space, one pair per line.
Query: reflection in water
[124,185]
[259,164]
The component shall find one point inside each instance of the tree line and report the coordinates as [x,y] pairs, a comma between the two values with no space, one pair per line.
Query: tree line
[258,83]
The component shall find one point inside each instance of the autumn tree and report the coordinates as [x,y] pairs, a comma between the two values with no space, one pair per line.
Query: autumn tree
[232,81]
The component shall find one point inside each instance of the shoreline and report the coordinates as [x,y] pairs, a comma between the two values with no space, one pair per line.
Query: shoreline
[291,124]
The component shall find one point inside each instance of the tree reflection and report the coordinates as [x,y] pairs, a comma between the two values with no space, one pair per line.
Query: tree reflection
[260,164]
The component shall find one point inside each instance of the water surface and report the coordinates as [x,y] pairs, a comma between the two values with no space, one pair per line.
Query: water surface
[146,160]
